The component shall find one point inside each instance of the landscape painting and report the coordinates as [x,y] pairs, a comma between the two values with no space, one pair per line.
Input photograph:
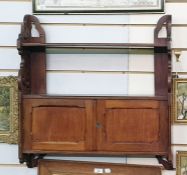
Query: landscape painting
[182,163]
[4,108]
[8,110]
[180,100]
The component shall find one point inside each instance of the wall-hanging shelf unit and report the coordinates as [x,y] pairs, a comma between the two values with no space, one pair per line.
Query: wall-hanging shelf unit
[92,125]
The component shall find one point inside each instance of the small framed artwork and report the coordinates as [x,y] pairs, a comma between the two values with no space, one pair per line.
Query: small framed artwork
[97,6]
[181,166]
[180,101]
[8,110]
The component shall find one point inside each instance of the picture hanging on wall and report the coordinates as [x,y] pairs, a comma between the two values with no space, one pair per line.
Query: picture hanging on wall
[8,110]
[97,6]
[181,163]
[180,100]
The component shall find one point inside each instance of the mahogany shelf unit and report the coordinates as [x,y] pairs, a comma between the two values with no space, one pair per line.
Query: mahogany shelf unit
[92,125]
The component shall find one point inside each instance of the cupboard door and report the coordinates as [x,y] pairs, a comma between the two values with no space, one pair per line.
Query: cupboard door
[132,126]
[58,124]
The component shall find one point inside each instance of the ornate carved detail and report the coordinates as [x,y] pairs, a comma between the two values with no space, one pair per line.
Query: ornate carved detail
[23,75]
[10,134]
[168,165]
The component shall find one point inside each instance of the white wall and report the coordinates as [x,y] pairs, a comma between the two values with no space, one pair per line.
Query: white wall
[87,70]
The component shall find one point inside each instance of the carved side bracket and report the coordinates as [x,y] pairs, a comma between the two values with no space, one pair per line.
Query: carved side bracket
[162,49]
[27,59]
[164,21]
[164,43]
[25,36]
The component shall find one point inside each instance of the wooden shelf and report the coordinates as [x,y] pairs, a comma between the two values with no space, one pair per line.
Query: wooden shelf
[97,48]
[91,45]
[95,96]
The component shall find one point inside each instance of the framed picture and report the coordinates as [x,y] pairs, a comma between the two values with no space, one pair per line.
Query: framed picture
[180,100]
[8,110]
[97,6]
[181,163]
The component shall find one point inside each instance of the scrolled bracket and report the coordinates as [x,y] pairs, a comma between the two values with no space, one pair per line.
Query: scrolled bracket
[26,30]
[168,165]
[160,42]
[32,159]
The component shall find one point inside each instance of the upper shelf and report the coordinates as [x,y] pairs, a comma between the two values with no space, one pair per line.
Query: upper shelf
[96,48]
[27,40]
[93,48]
[33,50]
[91,45]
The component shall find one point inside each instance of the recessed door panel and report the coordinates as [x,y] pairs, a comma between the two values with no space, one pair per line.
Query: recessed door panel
[59,125]
[132,126]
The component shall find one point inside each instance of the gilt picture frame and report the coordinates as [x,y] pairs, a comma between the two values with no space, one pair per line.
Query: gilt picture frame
[179,101]
[97,6]
[9,110]
[181,164]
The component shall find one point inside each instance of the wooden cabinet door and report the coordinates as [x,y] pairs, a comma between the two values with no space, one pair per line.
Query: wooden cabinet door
[132,126]
[56,167]
[58,124]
